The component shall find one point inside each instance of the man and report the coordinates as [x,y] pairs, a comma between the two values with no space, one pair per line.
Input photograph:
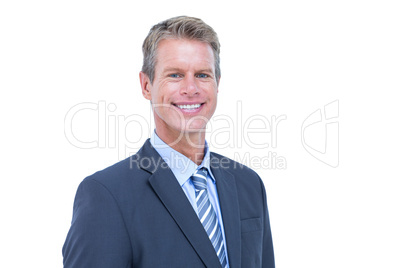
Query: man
[174,203]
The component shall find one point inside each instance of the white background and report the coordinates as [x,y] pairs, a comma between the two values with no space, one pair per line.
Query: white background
[278,58]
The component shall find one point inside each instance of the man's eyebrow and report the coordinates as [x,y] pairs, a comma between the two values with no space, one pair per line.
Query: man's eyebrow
[208,70]
[172,69]
[179,70]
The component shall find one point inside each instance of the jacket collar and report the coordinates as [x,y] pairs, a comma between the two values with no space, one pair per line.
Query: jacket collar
[167,188]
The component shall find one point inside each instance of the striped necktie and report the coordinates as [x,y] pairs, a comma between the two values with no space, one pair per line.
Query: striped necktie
[207,215]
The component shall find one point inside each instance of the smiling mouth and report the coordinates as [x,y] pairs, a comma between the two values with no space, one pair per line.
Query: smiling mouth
[188,106]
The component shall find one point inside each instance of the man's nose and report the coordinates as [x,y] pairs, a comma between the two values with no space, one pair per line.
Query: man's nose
[189,86]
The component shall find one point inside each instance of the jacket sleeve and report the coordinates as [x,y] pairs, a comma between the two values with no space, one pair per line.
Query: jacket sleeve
[98,236]
[268,250]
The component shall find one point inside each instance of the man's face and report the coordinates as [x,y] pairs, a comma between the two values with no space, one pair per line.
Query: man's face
[184,90]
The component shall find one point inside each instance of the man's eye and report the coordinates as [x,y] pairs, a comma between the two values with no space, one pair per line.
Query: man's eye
[202,75]
[174,75]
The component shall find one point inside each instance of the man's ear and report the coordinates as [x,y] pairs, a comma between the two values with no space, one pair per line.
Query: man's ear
[217,84]
[145,85]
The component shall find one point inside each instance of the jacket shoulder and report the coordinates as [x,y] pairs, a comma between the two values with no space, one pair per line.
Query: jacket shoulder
[121,169]
[129,168]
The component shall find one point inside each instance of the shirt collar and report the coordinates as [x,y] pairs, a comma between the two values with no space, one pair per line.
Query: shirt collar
[181,166]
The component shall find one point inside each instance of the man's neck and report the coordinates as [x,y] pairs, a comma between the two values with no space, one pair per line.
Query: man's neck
[189,144]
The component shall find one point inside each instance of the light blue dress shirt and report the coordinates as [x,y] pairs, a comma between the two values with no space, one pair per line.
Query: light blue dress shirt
[182,167]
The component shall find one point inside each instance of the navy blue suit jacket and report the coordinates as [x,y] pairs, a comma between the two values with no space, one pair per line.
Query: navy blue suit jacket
[135,214]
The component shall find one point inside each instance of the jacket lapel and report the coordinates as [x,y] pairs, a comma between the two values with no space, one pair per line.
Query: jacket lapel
[229,203]
[174,199]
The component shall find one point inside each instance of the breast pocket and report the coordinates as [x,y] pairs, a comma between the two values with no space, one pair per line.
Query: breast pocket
[251,242]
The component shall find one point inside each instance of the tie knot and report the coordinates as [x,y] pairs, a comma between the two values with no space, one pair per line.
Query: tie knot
[200,179]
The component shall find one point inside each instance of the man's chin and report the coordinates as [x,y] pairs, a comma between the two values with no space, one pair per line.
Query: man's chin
[191,131]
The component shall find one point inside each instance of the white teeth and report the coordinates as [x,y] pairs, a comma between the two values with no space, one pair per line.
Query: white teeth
[192,106]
